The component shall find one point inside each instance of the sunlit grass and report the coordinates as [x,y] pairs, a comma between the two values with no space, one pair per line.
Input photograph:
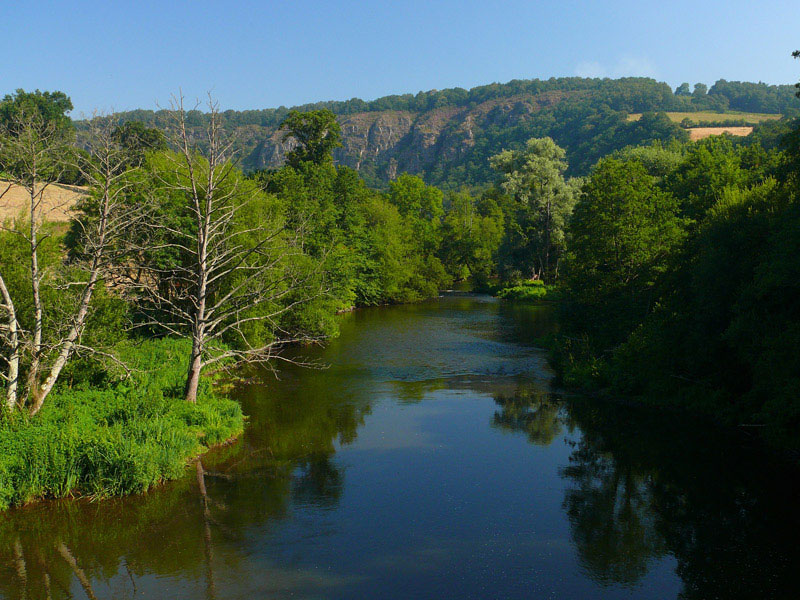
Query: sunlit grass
[115,441]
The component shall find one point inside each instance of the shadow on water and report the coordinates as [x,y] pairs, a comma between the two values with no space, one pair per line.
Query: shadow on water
[647,483]
[635,489]
[643,484]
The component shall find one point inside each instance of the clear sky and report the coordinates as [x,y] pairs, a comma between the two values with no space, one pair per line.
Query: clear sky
[120,55]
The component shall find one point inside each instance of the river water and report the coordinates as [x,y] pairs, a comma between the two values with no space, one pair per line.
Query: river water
[431,458]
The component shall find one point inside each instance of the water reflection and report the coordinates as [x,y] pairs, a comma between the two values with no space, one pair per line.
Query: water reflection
[431,453]
[643,484]
[725,509]
[533,410]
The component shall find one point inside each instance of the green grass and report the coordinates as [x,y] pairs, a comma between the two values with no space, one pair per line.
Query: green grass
[527,291]
[115,441]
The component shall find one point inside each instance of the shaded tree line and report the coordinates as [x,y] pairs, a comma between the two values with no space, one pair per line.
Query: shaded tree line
[681,281]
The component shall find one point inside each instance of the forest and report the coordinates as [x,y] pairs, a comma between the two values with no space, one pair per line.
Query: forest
[448,136]
[673,264]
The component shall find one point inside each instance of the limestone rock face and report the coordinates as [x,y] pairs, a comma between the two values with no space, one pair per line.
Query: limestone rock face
[383,144]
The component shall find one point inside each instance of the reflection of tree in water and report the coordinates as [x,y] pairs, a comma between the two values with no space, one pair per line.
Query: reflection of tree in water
[318,483]
[532,410]
[414,391]
[194,528]
[649,483]
[610,513]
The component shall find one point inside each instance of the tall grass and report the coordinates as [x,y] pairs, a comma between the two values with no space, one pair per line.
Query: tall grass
[525,291]
[119,440]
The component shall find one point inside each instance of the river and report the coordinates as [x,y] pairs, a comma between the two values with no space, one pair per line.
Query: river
[427,456]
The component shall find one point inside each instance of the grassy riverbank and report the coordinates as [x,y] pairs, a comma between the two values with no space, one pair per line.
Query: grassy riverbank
[527,291]
[119,438]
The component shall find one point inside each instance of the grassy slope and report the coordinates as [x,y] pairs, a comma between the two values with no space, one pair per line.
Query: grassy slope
[56,204]
[122,439]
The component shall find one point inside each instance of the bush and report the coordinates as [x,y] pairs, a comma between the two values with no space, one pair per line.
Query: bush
[526,291]
[120,440]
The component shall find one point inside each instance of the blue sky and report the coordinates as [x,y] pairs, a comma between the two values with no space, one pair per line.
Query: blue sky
[122,55]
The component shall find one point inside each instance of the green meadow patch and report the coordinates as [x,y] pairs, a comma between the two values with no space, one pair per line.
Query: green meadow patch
[120,440]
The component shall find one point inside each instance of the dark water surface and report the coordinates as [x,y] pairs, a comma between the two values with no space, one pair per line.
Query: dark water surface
[432,460]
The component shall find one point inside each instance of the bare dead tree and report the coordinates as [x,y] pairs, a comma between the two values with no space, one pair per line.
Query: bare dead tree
[32,150]
[237,268]
[39,152]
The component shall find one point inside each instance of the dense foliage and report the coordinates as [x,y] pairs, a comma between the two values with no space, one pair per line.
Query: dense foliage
[448,136]
[682,282]
[677,262]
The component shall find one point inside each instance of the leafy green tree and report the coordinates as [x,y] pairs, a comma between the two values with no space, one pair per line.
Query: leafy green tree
[709,167]
[541,204]
[317,134]
[49,107]
[138,139]
[659,159]
[621,234]
[471,235]
[421,207]
[683,90]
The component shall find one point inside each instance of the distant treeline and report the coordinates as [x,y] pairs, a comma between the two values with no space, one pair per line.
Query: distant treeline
[631,94]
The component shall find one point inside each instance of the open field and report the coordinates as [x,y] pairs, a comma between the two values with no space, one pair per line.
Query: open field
[714,117]
[699,133]
[56,206]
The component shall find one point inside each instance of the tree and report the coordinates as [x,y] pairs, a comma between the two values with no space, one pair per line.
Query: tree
[137,139]
[708,168]
[420,207]
[50,107]
[541,204]
[700,90]
[34,150]
[620,236]
[796,54]
[216,265]
[317,134]
[471,234]
[683,90]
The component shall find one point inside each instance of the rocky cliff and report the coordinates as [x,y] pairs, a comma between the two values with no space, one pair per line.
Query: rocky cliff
[383,144]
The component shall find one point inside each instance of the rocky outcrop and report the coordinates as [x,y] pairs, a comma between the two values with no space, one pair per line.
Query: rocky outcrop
[386,143]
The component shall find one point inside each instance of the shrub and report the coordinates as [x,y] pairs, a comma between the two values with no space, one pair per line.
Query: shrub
[526,291]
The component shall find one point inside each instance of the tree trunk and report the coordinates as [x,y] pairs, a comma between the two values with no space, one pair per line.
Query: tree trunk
[33,372]
[13,341]
[193,375]
[79,573]
[69,343]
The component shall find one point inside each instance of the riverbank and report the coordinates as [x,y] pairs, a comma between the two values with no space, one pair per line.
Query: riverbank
[115,438]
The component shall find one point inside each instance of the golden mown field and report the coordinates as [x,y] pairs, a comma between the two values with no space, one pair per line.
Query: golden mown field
[56,204]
